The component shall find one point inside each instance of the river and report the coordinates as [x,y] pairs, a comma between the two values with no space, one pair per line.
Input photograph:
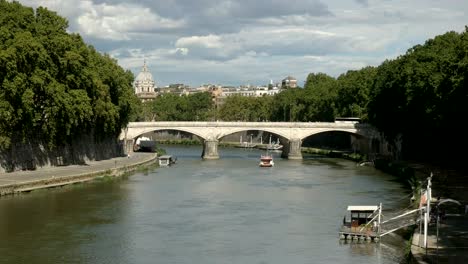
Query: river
[203,211]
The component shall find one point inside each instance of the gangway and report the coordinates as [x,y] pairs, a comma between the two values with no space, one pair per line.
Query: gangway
[369,224]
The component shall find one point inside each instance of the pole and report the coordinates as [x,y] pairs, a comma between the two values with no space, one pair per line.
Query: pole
[437,241]
[420,218]
[426,215]
[428,210]
[429,194]
[380,213]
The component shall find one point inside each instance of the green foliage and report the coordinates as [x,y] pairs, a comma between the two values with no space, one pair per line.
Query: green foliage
[241,108]
[319,98]
[172,107]
[353,92]
[422,96]
[54,87]
[283,105]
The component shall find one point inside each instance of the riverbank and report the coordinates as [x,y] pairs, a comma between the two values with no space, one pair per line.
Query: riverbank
[48,177]
[448,241]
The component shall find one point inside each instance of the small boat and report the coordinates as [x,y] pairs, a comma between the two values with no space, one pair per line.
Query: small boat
[167,160]
[275,147]
[247,145]
[266,161]
[272,146]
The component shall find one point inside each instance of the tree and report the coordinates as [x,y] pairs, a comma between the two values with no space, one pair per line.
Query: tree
[353,92]
[54,87]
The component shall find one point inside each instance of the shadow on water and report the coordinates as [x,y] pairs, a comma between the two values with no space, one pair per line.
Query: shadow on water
[322,160]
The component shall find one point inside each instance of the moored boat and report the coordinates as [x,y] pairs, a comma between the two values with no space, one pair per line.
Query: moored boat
[167,160]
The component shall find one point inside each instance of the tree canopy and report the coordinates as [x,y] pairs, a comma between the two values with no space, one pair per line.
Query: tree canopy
[55,87]
[422,96]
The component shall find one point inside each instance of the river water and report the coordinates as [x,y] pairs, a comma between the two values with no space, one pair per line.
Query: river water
[220,211]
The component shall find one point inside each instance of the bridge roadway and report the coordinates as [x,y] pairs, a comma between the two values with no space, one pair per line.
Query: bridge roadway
[210,133]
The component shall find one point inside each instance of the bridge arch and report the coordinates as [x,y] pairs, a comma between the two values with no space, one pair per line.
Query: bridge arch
[167,129]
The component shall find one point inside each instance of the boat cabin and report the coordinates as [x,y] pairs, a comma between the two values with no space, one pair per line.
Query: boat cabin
[167,160]
[362,224]
[359,215]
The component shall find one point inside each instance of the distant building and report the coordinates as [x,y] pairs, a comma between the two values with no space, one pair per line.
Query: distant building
[144,85]
[289,82]
[222,93]
[178,86]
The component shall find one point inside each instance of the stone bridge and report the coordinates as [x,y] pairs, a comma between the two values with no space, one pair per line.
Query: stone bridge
[292,133]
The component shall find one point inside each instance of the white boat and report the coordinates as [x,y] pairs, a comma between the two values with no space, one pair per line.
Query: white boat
[144,144]
[247,145]
[167,160]
[266,161]
[274,147]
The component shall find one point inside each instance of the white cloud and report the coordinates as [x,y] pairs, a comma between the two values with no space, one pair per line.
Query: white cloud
[210,41]
[109,21]
[119,21]
[235,41]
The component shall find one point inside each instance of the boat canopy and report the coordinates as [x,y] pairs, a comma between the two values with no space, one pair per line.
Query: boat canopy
[165,157]
[362,207]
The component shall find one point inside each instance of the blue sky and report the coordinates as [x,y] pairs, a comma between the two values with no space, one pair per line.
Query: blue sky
[234,42]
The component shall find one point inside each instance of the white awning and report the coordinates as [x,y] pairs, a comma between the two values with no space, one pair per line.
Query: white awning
[362,207]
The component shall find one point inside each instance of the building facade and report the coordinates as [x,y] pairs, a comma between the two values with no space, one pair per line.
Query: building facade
[289,82]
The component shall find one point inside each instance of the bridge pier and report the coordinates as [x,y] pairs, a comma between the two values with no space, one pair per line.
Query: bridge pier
[210,149]
[295,149]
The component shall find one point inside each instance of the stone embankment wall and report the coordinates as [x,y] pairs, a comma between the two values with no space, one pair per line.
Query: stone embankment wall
[31,155]
[57,181]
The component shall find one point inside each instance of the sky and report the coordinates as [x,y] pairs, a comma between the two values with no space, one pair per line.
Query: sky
[239,42]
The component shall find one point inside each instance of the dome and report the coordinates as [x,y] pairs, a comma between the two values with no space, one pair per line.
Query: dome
[144,84]
[144,75]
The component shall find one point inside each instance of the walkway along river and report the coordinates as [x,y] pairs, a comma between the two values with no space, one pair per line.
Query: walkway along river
[214,211]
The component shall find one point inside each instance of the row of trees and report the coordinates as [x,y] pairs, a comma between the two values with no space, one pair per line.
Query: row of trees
[322,99]
[54,87]
[419,98]
[172,107]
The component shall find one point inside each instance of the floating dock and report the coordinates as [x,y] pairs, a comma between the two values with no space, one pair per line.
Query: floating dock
[355,234]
